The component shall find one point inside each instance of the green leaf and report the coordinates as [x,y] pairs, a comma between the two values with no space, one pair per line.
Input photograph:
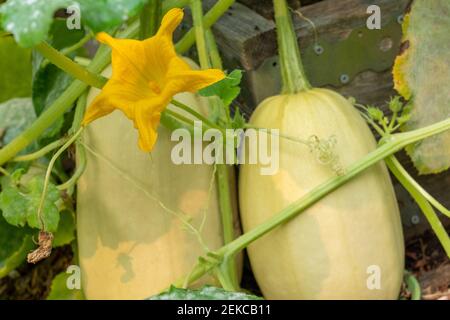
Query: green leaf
[205,293]
[20,204]
[59,290]
[14,205]
[15,70]
[49,82]
[15,116]
[421,75]
[66,229]
[30,20]
[227,89]
[50,212]
[15,243]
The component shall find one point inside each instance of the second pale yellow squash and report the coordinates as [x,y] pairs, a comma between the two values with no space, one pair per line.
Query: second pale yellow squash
[348,245]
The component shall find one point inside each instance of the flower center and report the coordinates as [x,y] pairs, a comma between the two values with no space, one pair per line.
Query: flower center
[154,87]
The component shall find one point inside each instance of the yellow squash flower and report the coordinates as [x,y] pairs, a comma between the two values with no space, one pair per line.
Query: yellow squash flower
[146,75]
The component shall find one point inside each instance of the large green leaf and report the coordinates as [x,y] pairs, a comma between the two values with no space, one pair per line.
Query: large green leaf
[30,20]
[15,70]
[227,89]
[15,243]
[205,293]
[20,204]
[15,116]
[422,75]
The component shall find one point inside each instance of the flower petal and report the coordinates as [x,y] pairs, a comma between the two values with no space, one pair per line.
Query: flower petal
[126,59]
[182,78]
[116,95]
[170,22]
[147,120]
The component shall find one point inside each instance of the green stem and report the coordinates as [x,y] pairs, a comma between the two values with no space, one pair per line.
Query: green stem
[404,178]
[62,104]
[216,60]
[77,45]
[41,152]
[170,4]
[81,167]
[413,183]
[292,72]
[150,19]
[68,50]
[197,17]
[392,123]
[228,272]
[224,191]
[171,122]
[79,113]
[81,160]
[390,146]
[69,66]
[413,286]
[4,172]
[49,172]
[191,111]
[208,20]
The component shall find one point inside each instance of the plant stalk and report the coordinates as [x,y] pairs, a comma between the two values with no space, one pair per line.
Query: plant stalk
[208,20]
[228,273]
[292,72]
[403,177]
[69,66]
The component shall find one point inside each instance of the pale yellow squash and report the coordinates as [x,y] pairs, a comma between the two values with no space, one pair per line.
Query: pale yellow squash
[130,245]
[334,249]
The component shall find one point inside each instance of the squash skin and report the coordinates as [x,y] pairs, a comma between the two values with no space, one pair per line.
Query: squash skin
[129,246]
[324,252]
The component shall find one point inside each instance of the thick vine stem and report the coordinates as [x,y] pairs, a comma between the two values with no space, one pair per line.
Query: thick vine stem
[292,72]
[200,35]
[228,272]
[390,145]
[208,20]
[69,66]
[216,59]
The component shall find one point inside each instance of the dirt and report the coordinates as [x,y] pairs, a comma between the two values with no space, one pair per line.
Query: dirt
[32,282]
[427,260]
